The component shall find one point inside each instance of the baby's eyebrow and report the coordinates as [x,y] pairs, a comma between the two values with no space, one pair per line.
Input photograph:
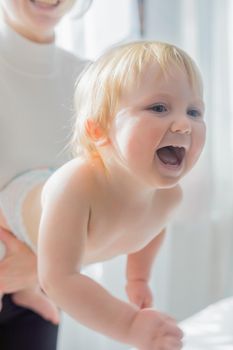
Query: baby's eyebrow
[157,97]
[200,103]
[161,95]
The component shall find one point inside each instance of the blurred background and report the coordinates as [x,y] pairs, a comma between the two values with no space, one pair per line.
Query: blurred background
[194,267]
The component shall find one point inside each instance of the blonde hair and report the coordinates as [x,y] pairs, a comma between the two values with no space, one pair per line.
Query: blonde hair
[101,85]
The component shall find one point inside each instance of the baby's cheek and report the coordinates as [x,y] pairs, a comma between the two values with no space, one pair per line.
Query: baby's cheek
[203,136]
[194,154]
[200,142]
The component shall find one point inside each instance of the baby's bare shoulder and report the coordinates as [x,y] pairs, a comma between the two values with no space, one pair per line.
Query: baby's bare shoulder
[74,177]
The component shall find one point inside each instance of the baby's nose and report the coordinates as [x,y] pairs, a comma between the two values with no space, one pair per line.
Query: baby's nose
[181,125]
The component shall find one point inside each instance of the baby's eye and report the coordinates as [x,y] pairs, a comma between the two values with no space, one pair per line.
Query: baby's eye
[158,108]
[194,113]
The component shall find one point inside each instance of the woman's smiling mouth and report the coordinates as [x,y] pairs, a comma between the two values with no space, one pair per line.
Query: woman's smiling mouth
[46,3]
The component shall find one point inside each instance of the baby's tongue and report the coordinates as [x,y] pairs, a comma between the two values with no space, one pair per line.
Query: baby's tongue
[168,155]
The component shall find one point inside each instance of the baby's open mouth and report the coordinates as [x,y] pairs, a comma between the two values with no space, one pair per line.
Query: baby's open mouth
[171,155]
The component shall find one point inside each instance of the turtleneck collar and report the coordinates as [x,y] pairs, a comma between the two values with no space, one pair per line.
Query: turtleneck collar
[26,56]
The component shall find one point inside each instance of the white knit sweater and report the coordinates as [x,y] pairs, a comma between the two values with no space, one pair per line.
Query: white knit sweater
[36,96]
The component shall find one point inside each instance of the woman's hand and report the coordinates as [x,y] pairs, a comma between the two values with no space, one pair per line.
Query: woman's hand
[18,269]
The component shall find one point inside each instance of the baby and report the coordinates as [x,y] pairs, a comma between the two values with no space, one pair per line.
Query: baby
[139,129]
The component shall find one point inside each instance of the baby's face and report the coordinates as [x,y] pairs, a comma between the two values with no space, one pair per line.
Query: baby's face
[158,132]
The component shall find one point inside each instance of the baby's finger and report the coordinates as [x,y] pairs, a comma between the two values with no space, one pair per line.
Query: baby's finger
[169,318]
[147,303]
[167,343]
[171,329]
[173,344]
[172,324]
[137,300]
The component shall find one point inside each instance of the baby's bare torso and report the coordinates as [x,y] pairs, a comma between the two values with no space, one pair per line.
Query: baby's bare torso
[117,225]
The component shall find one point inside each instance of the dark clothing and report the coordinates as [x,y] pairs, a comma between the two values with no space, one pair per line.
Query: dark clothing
[22,329]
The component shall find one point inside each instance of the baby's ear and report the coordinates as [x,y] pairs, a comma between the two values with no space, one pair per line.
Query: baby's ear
[96,132]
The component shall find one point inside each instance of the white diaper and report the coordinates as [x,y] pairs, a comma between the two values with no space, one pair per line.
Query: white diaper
[12,197]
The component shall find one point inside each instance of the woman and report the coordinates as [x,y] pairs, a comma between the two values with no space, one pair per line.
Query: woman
[36,87]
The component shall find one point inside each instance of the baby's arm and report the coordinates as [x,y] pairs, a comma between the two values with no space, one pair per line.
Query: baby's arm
[62,243]
[139,266]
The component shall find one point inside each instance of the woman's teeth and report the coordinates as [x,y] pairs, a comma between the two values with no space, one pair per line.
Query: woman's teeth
[46,2]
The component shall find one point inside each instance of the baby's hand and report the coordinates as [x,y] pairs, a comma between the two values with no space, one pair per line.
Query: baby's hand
[139,293]
[152,330]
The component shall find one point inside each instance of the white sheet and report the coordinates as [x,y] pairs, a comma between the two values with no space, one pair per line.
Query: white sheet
[210,329]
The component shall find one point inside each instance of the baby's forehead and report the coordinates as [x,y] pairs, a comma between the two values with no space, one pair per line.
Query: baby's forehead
[156,74]
[155,70]
[153,73]
[154,80]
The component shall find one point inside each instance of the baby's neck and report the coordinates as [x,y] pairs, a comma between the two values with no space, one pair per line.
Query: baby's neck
[125,184]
